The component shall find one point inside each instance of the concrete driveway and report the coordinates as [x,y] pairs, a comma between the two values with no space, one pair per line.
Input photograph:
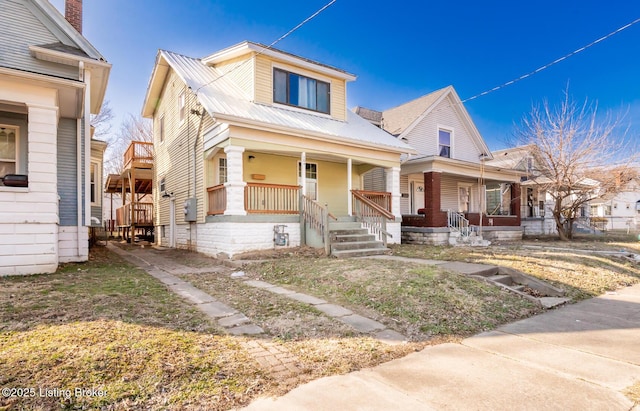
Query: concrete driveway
[579,357]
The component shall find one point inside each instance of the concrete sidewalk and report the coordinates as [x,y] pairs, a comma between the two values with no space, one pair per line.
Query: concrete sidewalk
[579,357]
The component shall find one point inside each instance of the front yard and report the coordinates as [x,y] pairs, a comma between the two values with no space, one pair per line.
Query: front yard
[107,326]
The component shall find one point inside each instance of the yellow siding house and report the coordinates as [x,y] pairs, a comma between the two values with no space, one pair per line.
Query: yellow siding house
[255,149]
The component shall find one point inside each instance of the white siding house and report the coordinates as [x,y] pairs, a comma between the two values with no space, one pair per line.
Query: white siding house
[51,80]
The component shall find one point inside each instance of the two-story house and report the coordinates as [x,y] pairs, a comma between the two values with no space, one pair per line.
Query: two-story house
[255,148]
[51,80]
[448,189]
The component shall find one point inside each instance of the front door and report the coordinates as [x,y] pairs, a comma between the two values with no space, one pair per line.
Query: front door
[417,195]
[311,176]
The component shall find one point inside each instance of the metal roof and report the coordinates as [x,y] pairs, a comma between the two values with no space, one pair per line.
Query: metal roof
[223,99]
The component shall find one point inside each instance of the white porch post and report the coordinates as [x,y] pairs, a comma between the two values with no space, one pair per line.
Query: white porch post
[349,187]
[235,184]
[303,173]
[393,186]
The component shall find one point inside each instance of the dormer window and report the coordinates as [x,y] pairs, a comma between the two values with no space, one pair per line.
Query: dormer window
[444,143]
[296,90]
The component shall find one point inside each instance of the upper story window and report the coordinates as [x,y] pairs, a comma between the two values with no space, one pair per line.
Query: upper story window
[182,106]
[300,91]
[8,150]
[444,143]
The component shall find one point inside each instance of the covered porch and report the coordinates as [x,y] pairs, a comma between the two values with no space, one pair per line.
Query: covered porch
[447,196]
[268,184]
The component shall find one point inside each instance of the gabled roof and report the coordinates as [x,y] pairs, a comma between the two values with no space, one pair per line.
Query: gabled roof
[44,36]
[397,119]
[400,120]
[71,37]
[226,102]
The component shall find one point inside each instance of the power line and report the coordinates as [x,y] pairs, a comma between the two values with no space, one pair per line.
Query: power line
[305,21]
[556,61]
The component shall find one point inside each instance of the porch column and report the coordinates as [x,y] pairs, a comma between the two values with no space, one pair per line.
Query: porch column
[516,209]
[303,173]
[432,186]
[393,186]
[349,187]
[235,184]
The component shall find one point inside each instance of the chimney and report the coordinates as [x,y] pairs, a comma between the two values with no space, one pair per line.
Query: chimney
[73,13]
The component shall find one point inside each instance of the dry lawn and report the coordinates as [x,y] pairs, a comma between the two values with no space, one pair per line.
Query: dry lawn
[578,266]
[107,325]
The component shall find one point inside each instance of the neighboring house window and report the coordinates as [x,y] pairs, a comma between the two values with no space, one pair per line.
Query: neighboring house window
[594,211]
[311,176]
[222,170]
[607,210]
[94,183]
[161,128]
[498,199]
[444,143]
[182,106]
[162,185]
[8,150]
[300,91]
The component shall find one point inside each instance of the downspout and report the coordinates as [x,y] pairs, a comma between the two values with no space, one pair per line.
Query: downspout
[87,148]
[79,169]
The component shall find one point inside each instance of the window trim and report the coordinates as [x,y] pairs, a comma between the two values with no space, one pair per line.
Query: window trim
[451,139]
[287,103]
[16,160]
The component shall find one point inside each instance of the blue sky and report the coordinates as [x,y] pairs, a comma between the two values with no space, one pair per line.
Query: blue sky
[399,50]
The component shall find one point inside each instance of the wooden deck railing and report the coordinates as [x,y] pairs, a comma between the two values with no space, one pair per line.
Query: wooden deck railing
[142,215]
[381,198]
[271,198]
[372,215]
[138,151]
[217,199]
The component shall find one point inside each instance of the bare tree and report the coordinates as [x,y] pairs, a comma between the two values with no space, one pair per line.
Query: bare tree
[101,122]
[579,157]
[133,128]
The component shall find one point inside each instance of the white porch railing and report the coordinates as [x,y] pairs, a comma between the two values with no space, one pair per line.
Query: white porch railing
[458,223]
[372,215]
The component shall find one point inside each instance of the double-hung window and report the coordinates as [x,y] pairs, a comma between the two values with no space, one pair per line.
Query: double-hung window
[8,150]
[300,91]
[444,143]
[222,170]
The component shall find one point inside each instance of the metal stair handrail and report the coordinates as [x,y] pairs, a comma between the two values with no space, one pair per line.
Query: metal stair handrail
[458,222]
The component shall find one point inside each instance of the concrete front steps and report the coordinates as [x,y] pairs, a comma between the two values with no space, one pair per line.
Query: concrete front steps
[524,285]
[349,239]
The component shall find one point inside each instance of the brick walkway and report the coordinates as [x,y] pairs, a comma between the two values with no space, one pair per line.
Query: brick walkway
[271,357]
